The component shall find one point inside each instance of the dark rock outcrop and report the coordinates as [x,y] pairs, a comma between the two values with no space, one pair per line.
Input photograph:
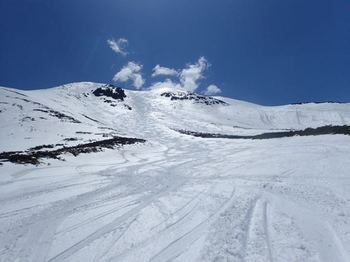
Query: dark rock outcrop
[110,91]
[319,102]
[323,130]
[208,100]
[34,155]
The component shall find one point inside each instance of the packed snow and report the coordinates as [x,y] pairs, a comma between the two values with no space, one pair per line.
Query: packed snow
[175,197]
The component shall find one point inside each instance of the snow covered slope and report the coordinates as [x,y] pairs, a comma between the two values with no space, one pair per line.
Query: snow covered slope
[174,197]
[47,116]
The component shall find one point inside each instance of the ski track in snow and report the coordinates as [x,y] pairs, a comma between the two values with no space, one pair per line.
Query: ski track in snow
[181,198]
[159,210]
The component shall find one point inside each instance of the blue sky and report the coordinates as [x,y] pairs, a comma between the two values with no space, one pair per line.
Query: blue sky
[269,52]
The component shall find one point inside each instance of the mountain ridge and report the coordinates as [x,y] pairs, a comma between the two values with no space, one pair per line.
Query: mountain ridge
[85,112]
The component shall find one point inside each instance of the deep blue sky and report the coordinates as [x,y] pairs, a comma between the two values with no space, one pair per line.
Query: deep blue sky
[264,51]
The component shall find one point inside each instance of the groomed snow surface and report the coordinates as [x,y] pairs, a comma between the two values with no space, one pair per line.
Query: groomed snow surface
[175,197]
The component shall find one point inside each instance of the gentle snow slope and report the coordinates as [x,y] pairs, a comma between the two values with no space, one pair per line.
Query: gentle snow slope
[176,197]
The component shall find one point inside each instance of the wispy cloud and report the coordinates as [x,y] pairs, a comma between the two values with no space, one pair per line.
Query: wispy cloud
[188,77]
[167,83]
[212,90]
[166,71]
[130,72]
[118,46]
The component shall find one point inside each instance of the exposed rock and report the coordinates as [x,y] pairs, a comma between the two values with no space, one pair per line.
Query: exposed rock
[319,102]
[58,115]
[208,100]
[323,130]
[110,91]
[128,107]
[70,139]
[33,156]
[28,118]
[90,118]
[41,147]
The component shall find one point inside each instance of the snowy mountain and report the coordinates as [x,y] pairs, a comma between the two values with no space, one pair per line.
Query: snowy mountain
[92,172]
[81,112]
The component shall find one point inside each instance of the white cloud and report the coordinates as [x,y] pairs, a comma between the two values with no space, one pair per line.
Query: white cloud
[160,70]
[132,72]
[167,83]
[118,46]
[212,90]
[188,77]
